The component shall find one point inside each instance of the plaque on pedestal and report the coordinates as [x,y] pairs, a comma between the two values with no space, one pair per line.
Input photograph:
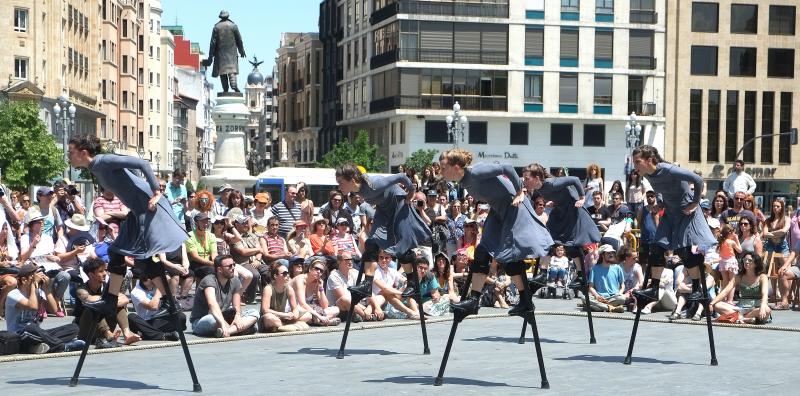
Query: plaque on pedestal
[231,117]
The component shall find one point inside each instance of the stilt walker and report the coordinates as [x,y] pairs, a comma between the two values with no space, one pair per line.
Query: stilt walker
[682,229]
[396,229]
[149,229]
[511,234]
[569,223]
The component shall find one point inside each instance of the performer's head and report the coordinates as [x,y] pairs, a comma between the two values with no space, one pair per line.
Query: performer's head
[82,149]
[533,175]
[453,162]
[645,159]
[350,177]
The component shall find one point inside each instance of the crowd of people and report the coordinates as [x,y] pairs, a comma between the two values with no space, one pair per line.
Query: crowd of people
[299,257]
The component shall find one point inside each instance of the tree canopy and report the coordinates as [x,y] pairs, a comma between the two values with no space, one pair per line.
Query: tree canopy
[359,152]
[29,154]
[419,159]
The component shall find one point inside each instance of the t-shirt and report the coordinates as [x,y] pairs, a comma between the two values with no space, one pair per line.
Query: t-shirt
[260,222]
[174,193]
[49,221]
[140,296]
[731,216]
[248,241]
[606,280]
[337,280]
[347,243]
[224,295]
[18,318]
[204,250]
[287,217]
[559,262]
[427,286]
[43,248]
[390,277]
[356,214]
[598,214]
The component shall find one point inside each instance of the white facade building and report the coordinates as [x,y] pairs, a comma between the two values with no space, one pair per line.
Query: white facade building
[163,158]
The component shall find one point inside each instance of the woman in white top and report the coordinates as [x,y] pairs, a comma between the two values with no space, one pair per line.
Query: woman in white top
[594,182]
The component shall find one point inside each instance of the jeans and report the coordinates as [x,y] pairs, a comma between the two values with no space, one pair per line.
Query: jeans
[554,273]
[207,325]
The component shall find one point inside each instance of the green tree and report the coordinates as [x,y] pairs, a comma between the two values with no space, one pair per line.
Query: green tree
[419,159]
[28,153]
[359,152]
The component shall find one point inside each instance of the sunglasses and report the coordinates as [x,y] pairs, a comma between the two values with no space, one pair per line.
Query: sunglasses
[227,266]
[318,269]
[744,224]
[284,273]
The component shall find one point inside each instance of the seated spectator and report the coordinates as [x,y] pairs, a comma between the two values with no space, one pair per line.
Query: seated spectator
[335,210]
[607,283]
[443,272]
[71,249]
[150,322]
[788,273]
[203,202]
[306,204]
[753,287]
[176,263]
[617,208]
[338,282]
[24,313]
[236,200]
[296,267]
[279,303]
[92,290]
[201,247]
[495,289]
[277,250]
[667,300]
[110,209]
[38,246]
[310,291]
[261,213]
[8,261]
[217,304]
[434,301]
[618,229]
[246,253]
[460,269]
[685,308]
[320,242]
[599,212]
[385,291]
[634,278]
[344,241]
[298,242]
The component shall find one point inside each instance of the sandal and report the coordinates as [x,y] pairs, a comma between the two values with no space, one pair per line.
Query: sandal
[696,317]
[674,316]
[781,306]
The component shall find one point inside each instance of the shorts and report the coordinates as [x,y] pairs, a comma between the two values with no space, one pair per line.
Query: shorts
[729,264]
[795,271]
[782,247]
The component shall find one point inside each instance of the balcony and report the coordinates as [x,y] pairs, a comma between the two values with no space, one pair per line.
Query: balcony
[436,102]
[643,16]
[383,59]
[383,14]
[642,62]
[450,56]
[497,9]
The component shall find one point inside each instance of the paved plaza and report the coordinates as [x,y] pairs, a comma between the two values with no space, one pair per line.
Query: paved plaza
[486,359]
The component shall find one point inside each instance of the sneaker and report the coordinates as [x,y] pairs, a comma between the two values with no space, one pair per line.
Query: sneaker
[60,314]
[697,317]
[465,308]
[674,316]
[645,311]
[218,333]
[362,290]
[39,348]
[577,284]
[74,345]
[409,291]
[106,344]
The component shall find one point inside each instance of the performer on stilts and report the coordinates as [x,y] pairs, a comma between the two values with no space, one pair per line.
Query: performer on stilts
[569,223]
[683,230]
[396,229]
[150,228]
[511,234]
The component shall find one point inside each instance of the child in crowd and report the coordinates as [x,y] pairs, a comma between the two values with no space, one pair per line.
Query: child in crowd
[559,263]
[728,265]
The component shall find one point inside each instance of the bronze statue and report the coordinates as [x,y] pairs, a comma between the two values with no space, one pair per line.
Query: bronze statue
[225,41]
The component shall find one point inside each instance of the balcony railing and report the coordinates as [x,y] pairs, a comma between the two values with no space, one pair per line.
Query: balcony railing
[497,9]
[642,62]
[450,56]
[643,16]
[439,102]
[383,14]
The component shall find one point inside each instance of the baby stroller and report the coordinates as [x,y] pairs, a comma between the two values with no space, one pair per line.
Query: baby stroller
[552,290]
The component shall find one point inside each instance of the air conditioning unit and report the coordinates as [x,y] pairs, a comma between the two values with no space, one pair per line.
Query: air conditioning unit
[648,109]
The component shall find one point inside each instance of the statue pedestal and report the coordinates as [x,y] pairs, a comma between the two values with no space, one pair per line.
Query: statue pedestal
[231,116]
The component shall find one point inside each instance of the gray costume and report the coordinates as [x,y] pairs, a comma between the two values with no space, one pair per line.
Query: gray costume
[225,41]
[143,234]
[396,227]
[510,233]
[568,225]
[677,230]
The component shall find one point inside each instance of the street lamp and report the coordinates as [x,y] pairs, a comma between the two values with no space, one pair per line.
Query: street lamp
[111,147]
[65,124]
[632,131]
[456,125]
[141,152]
[158,162]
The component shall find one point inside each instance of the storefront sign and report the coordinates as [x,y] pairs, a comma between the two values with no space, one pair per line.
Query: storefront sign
[504,155]
[755,171]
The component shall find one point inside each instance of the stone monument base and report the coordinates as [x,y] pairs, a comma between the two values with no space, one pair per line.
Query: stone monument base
[231,117]
[244,184]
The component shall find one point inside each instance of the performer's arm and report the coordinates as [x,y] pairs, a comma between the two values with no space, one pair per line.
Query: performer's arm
[380,183]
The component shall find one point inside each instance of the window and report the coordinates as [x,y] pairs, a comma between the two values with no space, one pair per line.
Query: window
[20,19]
[435,132]
[743,62]
[781,20]
[569,46]
[767,121]
[594,135]
[705,17]
[103,89]
[561,134]
[704,60]
[604,45]
[477,132]
[151,131]
[604,7]
[394,134]
[534,42]
[519,134]
[695,123]
[21,68]
[749,154]
[602,90]
[124,28]
[744,18]
[784,124]
[403,132]
[568,89]
[570,5]
[712,146]
[780,62]
[641,50]
[731,126]
[125,64]
[533,88]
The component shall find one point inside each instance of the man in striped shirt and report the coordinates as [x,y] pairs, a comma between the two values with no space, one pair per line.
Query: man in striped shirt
[110,209]
[287,211]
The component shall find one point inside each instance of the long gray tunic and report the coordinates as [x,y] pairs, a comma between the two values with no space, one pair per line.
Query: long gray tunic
[225,41]
[143,233]
[510,233]
[396,227]
[568,225]
[677,230]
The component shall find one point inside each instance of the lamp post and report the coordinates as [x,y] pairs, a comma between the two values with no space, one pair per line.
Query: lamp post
[141,152]
[111,147]
[158,162]
[65,124]
[632,131]
[456,125]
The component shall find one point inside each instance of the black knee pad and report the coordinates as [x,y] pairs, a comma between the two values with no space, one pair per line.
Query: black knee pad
[483,259]
[656,257]
[692,260]
[148,268]
[371,250]
[515,268]
[116,263]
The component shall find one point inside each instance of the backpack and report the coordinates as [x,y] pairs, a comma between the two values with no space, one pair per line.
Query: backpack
[9,343]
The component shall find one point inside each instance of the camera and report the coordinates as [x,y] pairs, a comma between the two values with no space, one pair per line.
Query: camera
[420,203]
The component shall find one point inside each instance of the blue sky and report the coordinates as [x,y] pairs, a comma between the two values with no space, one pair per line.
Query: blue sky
[260,23]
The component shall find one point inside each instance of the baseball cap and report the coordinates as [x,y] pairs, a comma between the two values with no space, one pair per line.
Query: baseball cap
[224,187]
[341,220]
[300,223]
[241,219]
[27,269]
[705,204]
[44,191]
[200,216]
[432,193]
[713,223]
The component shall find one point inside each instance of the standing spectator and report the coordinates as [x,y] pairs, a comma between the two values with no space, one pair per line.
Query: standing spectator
[68,200]
[189,209]
[203,203]
[728,250]
[335,210]
[637,187]
[455,227]
[306,204]
[148,321]
[201,247]
[616,188]
[599,212]
[647,218]
[617,209]
[8,259]
[24,313]
[287,211]
[339,280]
[539,205]
[236,200]
[52,224]
[775,232]
[698,172]
[298,242]
[719,205]
[750,205]
[607,283]
[593,182]
[739,181]
[110,209]
[261,213]
[217,304]
[221,204]
[92,290]
[356,214]
[733,214]
[25,205]
[309,289]
[790,271]
[177,194]
[279,303]
[319,238]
